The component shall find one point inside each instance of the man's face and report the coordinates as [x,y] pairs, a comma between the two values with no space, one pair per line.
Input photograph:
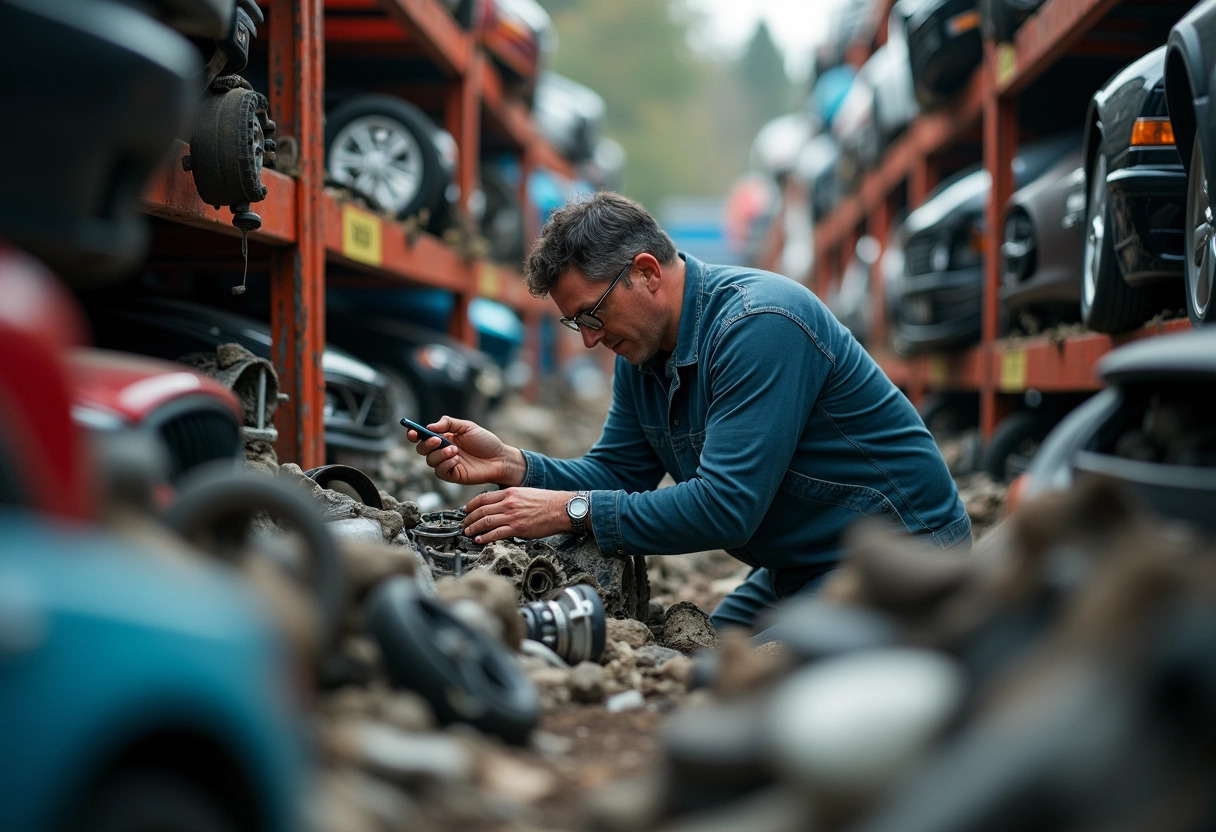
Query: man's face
[633,323]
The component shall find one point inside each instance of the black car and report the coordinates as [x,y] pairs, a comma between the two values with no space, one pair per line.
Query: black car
[1041,252]
[1000,19]
[360,416]
[1149,429]
[1133,248]
[939,301]
[430,373]
[944,46]
[1190,60]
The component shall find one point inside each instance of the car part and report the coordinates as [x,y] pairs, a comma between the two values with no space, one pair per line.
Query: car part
[349,481]
[1200,242]
[572,624]
[464,673]
[77,154]
[383,148]
[215,510]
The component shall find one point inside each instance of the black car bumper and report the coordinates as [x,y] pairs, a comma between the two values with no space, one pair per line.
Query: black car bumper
[1147,207]
[940,310]
[944,48]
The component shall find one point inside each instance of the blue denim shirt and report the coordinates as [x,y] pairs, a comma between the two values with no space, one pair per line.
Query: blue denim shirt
[778,428]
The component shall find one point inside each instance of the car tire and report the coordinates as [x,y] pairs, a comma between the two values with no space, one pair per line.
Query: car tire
[1199,242]
[140,800]
[1108,303]
[404,397]
[1015,441]
[465,674]
[503,221]
[410,179]
[947,415]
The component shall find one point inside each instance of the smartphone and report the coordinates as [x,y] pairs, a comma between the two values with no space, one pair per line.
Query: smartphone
[423,432]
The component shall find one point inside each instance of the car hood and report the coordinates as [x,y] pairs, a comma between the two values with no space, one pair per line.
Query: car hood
[964,194]
[211,327]
[1180,357]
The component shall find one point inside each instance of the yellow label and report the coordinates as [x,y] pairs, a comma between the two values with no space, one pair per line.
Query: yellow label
[938,374]
[487,281]
[1006,63]
[1013,371]
[361,236]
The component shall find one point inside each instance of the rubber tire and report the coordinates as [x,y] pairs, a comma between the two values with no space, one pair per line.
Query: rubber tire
[465,674]
[410,119]
[1199,277]
[143,800]
[947,415]
[215,507]
[503,221]
[404,396]
[228,171]
[1114,306]
[1016,429]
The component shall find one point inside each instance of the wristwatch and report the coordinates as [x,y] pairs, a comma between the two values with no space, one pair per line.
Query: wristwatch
[577,509]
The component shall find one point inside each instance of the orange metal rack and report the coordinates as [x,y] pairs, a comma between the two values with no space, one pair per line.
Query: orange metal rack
[306,228]
[997,368]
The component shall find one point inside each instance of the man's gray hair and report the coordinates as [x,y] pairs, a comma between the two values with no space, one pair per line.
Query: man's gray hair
[598,235]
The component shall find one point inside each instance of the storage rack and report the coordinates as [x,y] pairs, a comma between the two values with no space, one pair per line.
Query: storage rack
[998,368]
[306,227]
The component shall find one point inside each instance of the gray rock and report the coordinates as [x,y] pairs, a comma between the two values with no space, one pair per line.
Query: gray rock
[587,682]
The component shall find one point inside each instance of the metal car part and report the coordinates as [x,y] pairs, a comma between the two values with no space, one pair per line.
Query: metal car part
[572,624]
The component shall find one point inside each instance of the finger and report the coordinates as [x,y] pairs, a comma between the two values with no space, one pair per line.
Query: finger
[496,533]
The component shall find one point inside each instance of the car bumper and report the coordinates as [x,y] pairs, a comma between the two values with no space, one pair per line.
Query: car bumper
[945,49]
[940,310]
[1147,208]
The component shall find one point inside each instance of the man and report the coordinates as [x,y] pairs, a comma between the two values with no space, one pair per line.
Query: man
[778,429]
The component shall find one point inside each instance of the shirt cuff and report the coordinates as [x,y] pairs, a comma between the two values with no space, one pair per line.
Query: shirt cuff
[606,522]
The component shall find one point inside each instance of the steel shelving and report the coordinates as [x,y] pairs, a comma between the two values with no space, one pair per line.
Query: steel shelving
[306,228]
[998,368]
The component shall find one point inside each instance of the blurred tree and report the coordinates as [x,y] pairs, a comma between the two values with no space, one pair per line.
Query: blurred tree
[677,115]
[762,72]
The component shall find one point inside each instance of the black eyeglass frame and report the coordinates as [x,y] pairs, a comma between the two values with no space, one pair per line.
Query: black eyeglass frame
[588,318]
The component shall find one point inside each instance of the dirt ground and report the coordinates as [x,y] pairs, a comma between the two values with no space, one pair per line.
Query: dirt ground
[579,749]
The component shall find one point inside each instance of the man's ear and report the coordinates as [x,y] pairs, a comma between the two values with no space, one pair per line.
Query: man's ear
[651,271]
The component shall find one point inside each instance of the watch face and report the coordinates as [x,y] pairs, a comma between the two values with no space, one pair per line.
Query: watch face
[577,507]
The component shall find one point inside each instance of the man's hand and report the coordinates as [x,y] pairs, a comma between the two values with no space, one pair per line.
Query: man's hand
[475,457]
[517,512]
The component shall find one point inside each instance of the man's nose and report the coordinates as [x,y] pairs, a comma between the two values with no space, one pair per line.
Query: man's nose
[591,337]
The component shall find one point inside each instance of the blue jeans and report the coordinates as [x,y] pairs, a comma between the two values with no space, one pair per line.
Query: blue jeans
[753,597]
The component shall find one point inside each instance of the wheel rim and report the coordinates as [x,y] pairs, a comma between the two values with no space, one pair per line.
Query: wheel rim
[1200,244]
[1095,231]
[379,158]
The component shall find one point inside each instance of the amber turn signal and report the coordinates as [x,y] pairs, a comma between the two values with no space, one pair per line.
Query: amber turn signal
[1152,132]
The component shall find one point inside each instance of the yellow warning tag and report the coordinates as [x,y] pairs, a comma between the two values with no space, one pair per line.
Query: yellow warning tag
[361,236]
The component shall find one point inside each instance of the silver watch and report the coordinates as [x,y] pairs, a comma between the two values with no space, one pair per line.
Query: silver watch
[577,509]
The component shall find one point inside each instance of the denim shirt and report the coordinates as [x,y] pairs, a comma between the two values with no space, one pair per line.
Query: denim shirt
[778,428]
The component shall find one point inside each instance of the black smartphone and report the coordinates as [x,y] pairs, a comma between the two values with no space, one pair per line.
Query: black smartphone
[423,432]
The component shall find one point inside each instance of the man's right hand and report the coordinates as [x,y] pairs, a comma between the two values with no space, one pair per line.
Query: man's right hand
[475,457]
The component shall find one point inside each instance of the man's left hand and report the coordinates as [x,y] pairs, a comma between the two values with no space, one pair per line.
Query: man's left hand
[517,512]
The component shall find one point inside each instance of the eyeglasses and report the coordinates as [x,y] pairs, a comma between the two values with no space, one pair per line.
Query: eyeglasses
[588,319]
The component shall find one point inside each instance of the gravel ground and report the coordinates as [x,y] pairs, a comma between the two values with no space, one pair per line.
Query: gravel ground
[592,734]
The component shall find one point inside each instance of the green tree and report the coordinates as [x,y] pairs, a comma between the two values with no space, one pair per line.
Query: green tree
[686,120]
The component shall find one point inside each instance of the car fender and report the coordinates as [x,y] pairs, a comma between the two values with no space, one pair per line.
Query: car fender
[1188,79]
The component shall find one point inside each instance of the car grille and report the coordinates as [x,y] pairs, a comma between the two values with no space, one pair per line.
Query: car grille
[199,437]
[360,410]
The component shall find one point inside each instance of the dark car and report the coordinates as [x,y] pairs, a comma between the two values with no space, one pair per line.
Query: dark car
[360,415]
[1134,209]
[1190,60]
[944,46]
[1150,429]
[431,374]
[569,115]
[1000,19]
[1041,252]
[939,302]
[517,34]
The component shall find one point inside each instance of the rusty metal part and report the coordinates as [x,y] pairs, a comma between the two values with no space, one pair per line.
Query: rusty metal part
[357,484]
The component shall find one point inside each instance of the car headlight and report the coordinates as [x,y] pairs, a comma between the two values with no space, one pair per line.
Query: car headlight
[444,359]
[967,249]
[489,382]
